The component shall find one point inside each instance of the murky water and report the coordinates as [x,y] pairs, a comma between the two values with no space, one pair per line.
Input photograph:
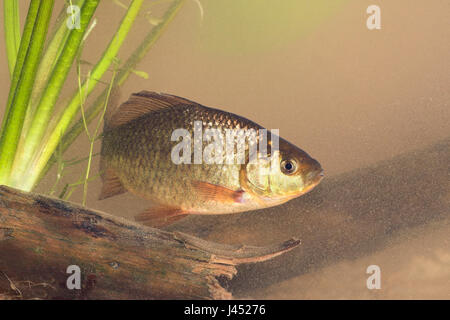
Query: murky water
[371,106]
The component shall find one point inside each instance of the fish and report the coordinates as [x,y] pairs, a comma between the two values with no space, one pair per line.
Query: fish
[140,145]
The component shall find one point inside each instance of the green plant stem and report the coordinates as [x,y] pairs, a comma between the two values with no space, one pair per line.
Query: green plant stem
[51,55]
[59,173]
[92,138]
[28,182]
[121,77]
[16,113]
[12,31]
[52,52]
[64,195]
[43,112]
[23,48]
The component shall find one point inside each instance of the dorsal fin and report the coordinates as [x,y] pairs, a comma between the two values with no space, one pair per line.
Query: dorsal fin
[143,103]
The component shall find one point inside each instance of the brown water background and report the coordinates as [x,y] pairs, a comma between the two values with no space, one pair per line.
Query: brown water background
[350,97]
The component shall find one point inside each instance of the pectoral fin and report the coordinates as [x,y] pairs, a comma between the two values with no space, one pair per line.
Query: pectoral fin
[160,216]
[209,191]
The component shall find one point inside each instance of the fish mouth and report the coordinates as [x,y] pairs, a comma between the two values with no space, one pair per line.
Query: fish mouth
[313,182]
[314,178]
[319,177]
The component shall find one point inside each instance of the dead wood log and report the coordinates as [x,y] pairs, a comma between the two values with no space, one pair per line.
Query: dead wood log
[41,236]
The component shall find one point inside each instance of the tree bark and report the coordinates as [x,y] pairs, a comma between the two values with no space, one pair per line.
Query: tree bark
[40,237]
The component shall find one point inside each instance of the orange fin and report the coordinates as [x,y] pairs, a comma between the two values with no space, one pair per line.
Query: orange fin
[111,185]
[215,192]
[160,216]
[113,105]
[143,103]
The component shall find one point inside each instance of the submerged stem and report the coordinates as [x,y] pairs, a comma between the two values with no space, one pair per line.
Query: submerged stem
[24,44]
[123,74]
[12,31]
[49,145]
[92,137]
[57,41]
[38,21]
[43,113]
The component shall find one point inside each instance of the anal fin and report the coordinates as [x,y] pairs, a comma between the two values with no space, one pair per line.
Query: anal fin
[160,216]
[111,185]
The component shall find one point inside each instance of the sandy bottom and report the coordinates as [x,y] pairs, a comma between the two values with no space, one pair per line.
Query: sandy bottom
[415,266]
[395,215]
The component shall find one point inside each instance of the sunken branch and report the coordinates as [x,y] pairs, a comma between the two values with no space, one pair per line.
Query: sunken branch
[40,237]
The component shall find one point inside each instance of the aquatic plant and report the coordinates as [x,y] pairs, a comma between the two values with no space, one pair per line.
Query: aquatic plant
[37,126]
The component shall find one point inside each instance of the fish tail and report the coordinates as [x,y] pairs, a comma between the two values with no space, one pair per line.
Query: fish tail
[112,107]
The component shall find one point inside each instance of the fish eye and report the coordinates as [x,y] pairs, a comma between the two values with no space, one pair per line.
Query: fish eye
[288,166]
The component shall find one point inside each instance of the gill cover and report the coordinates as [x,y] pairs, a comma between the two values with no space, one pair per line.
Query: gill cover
[265,179]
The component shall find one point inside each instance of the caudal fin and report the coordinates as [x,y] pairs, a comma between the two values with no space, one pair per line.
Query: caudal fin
[112,186]
[113,106]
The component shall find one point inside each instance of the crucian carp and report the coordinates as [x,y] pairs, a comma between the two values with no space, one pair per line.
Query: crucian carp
[180,155]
